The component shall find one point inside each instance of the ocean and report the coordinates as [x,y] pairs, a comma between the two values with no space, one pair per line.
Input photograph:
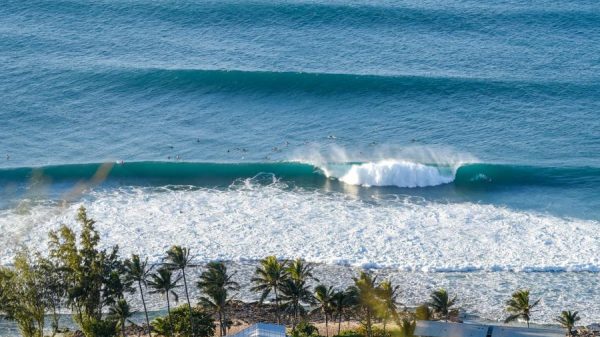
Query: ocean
[450,143]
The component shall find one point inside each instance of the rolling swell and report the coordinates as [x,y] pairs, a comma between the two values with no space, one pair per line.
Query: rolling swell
[284,81]
[466,176]
[478,175]
[250,13]
[163,172]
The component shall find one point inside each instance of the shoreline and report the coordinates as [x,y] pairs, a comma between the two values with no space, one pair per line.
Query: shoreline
[245,314]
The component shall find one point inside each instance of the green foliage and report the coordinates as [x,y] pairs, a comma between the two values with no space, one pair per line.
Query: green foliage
[407,328]
[269,276]
[350,333]
[120,312]
[375,331]
[387,308]
[162,282]
[301,270]
[137,271]
[100,327]
[519,306]
[378,332]
[372,301]
[22,294]
[423,313]
[180,320]
[304,329]
[215,284]
[568,319]
[295,293]
[54,289]
[367,301]
[178,258]
[324,297]
[441,303]
[93,278]
[344,303]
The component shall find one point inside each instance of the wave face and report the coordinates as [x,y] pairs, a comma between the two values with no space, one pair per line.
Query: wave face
[162,172]
[235,80]
[396,173]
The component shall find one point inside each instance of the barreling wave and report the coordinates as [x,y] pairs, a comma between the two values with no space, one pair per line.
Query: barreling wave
[399,173]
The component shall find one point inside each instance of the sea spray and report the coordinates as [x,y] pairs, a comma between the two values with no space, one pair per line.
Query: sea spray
[396,173]
[386,164]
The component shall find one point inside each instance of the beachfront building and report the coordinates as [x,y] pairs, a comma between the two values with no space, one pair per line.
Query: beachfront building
[262,330]
[443,329]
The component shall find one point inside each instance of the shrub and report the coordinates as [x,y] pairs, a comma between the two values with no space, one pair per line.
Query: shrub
[375,331]
[304,329]
[350,333]
[362,332]
[423,313]
[180,318]
[407,328]
[21,295]
[100,327]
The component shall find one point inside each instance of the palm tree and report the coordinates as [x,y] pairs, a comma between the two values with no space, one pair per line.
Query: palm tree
[137,271]
[162,283]
[121,312]
[301,270]
[519,307]
[343,302]
[178,258]
[269,276]
[294,292]
[441,303]
[215,283]
[388,294]
[324,298]
[567,320]
[423,313]
[367,301]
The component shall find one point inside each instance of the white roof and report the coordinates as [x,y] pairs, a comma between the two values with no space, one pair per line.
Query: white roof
[443,329]
[262,330]
[506,331]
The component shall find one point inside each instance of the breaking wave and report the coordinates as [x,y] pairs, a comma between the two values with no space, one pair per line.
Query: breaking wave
[399,173]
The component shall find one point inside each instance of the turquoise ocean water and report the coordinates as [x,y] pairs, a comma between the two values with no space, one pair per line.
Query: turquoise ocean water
[457,140]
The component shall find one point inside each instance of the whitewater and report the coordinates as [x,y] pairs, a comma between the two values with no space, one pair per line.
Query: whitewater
[397,235]
[389,231]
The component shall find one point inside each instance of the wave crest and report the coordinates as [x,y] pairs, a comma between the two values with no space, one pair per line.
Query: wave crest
[396,173]
[386,172]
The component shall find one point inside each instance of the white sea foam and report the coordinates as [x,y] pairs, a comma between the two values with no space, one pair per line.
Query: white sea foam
[394,173]
[251,221]
[386,165]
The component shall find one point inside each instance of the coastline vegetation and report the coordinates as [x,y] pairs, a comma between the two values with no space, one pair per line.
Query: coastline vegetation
[91,283]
